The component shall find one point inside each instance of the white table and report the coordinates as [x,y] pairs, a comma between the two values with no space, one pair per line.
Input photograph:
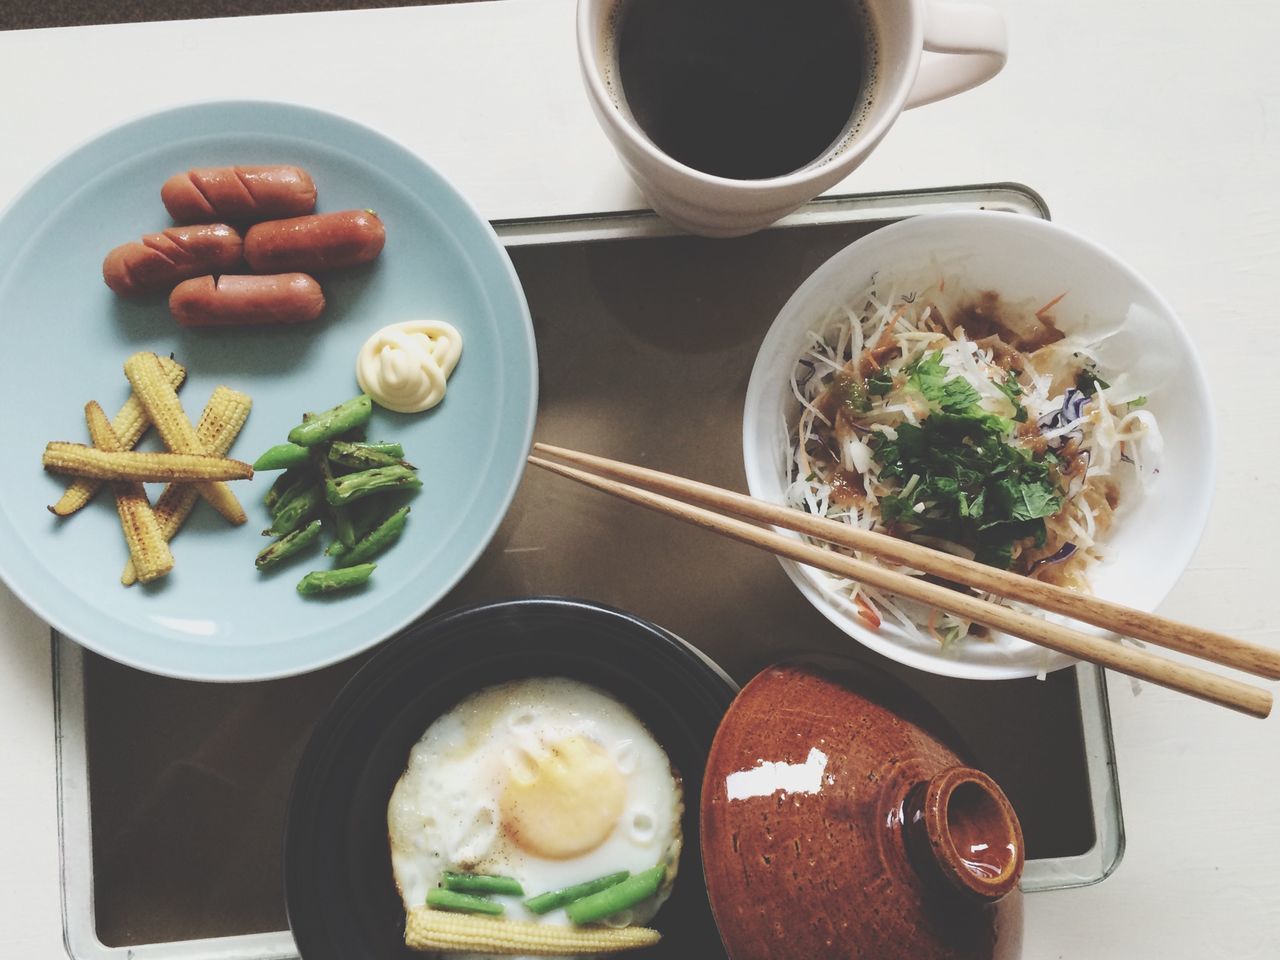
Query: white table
[1152,126]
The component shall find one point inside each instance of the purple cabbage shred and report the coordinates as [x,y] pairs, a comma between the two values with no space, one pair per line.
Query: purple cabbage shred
[1065,552]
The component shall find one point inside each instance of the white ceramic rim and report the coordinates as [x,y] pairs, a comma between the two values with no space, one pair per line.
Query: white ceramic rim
[808,580]
[894,102]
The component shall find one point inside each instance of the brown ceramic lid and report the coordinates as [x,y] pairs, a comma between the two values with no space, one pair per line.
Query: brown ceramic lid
[839,820]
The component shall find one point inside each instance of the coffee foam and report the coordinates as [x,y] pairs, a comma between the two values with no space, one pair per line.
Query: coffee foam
[871,83]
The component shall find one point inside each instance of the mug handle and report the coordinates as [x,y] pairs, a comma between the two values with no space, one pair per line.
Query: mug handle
[965,45]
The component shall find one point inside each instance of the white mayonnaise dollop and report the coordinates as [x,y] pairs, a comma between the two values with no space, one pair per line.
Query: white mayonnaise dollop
[404,367]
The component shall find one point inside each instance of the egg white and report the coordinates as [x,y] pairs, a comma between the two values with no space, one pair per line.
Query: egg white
[444,812]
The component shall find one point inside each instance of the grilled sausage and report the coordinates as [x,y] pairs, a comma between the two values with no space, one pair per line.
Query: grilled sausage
[323,241]
[160,260]
[238,194]
[230,299]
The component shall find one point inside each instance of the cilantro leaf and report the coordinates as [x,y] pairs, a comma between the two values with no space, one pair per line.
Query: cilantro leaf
[928,377]
[1012,389]
[971,485]
[1028,501]
[880,384]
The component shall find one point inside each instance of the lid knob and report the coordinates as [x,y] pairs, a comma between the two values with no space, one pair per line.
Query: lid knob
[961,830]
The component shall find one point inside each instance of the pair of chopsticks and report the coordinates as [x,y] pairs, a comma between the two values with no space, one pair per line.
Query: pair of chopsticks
[697,503]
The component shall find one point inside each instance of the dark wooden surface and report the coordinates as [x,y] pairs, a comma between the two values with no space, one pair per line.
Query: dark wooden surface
[30,14]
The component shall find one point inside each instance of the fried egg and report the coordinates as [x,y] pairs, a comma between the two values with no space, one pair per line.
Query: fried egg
[547,780]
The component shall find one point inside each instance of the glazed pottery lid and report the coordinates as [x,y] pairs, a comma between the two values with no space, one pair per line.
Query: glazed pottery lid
[840,818]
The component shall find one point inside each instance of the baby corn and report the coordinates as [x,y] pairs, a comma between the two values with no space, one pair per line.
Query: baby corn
[81,461]
[148,552]
[129,426]
[161,403]
[220,423]
[429,929]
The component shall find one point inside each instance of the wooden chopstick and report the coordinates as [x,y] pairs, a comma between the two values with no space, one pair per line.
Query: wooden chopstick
[1126,621]
[1140,664]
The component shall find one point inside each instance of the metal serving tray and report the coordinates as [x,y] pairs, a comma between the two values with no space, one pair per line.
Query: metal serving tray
[173,793]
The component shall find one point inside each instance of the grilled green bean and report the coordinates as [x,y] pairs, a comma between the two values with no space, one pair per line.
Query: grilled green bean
[378,539]
[482,883]
[281,457]
[364,456]
[289,545]
[365,516]
[546,902]
[282,485]
[462,902]
[319,582]
[333,423]
[287,486]
[339,516]
[609,901]
[291,513]
[354,486]
[389,447]
[342,527]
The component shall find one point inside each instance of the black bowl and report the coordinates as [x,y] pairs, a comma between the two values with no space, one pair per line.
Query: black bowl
[339,891]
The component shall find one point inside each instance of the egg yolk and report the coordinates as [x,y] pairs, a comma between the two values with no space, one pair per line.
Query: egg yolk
[563,802]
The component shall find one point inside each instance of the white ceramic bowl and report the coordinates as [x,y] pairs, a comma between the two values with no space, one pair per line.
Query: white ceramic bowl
[1155,532]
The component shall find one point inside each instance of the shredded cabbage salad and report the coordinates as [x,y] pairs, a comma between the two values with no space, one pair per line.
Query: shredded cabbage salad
[970,424]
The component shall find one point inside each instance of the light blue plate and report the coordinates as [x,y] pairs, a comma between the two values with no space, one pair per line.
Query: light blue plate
[65,337]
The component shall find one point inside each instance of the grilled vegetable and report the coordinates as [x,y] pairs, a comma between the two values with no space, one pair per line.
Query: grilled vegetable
[82,461]
[365,456]
[339,517]
[333,423]
[281,457]
[220,423]
[129,425]
[278,487]
[331,581]
[287,546]
[304,503]
[354,486]
[333,474]
[163,407]
[148,550]
[377,540]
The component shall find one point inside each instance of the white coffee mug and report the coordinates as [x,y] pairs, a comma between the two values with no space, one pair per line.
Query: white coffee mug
[927,50]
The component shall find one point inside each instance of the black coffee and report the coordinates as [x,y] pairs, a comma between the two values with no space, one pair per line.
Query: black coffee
[746,89]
